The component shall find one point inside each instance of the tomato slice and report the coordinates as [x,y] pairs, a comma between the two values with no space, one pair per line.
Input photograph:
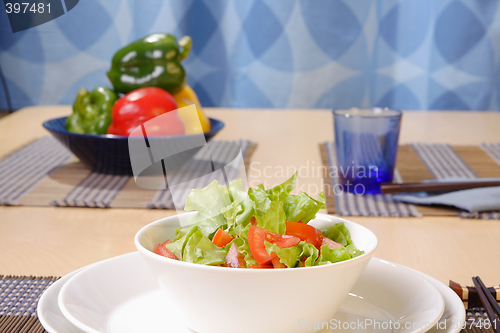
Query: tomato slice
[222,238]
[163,251]
[277,263]
[305,232]
[331,244]
[260,266]
[256,238]
[281,241]
[234,258]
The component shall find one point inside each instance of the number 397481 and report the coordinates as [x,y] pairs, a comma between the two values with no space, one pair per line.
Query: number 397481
[24,7]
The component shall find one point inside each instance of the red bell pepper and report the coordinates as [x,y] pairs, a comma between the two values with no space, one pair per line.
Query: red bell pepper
[141,105]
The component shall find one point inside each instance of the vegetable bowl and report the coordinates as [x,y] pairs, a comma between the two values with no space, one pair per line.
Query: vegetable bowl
[259,259]
[221,299]
[104,153]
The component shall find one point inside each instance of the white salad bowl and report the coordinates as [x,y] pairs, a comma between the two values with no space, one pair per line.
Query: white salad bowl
[228,300]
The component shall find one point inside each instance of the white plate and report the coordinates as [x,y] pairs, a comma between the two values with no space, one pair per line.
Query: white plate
[454,315]
[53,320]
[48,311]
[120,295]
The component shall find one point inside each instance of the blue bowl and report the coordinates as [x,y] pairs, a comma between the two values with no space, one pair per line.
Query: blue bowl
[104,153]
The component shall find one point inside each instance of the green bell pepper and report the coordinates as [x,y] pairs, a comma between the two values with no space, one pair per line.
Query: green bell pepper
[92,111]
[151,61]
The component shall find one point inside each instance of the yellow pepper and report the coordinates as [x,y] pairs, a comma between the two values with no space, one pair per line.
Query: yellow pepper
[186,97]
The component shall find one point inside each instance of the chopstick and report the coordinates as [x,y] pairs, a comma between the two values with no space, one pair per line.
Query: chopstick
[489,303]
[434,187]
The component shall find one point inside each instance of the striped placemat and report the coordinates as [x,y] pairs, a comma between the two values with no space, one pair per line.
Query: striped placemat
[19,297]
[45,173]
[415,163]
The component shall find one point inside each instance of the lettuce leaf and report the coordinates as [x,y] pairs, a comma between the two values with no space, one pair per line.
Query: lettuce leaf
[179,243]
[303,207]
[260,198]
[230,212]
[353,250]
[288,256]
[241,198]
[338,233]
[296,207]
[344,231]
[291,256]
[200,250]
[208,202]
[211,254]
[280,192]
[332,255]
[310,252]
[275,219]
[190,253]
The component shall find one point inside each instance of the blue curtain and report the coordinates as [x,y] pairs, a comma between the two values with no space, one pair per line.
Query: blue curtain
[405,54]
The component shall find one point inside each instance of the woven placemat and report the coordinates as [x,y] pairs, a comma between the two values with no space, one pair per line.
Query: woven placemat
[415,163]
[19,297]
[44,173]
[477,321]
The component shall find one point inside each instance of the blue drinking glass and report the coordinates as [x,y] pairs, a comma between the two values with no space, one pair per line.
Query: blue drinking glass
[366,142]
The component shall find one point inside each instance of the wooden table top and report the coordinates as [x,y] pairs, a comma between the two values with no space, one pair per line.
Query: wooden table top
[55,241]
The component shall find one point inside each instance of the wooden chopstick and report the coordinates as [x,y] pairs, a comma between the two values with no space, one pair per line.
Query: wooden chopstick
[434,187]
[489,303]
[490,298]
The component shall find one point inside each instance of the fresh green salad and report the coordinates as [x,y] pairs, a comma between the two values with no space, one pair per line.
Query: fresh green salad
[256,229]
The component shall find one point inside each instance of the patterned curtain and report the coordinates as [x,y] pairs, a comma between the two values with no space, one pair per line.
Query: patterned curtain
[405,54]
